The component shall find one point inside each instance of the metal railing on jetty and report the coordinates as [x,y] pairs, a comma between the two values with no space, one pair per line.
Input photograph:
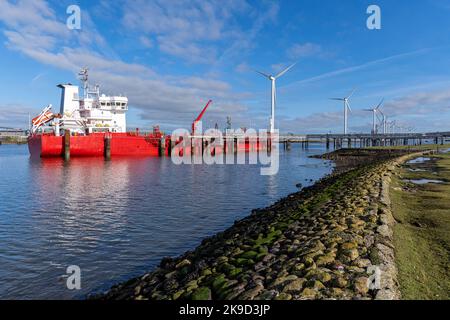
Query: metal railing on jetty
[360,140]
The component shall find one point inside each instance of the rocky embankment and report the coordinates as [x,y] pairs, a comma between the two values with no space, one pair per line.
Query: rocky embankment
[328,241]
[347,159]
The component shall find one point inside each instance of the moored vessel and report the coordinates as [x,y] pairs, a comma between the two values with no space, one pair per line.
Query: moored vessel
[89,124]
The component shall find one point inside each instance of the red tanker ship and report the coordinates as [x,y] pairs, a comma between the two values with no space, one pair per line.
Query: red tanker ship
[95,125]
[89,122]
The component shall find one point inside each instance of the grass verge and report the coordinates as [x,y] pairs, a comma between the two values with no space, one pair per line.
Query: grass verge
[422,234]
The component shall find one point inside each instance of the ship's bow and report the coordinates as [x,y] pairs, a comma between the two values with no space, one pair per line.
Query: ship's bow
[35,146]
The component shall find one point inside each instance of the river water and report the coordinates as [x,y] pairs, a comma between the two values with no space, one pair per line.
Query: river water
[117,219]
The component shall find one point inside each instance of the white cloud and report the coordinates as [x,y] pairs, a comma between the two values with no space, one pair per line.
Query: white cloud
[420,103]
[146,42]
[186,29]
[303,50]
[243,68]
[153,94]
[199,31]
[421,110]
[316,122]
[356,68]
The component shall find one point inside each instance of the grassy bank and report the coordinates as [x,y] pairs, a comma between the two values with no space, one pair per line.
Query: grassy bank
[422,234]
[315,244]
[13,140]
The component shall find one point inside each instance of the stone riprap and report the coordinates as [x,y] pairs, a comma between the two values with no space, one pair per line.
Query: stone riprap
[329,241]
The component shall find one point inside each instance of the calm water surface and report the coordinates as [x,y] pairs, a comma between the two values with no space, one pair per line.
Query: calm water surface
[117,219]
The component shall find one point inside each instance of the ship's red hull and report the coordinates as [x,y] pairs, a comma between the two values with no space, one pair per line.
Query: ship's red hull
[122,144]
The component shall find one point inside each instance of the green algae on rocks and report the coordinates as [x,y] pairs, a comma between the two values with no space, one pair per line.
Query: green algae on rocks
[320,243]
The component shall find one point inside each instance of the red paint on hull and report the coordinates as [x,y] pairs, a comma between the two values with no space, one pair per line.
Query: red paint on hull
[122,144]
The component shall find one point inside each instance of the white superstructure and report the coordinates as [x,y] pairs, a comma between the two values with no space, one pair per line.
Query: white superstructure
[93,112]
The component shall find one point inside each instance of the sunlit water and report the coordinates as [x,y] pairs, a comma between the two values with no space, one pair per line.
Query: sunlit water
[117,219]
[418,160]
[425,181]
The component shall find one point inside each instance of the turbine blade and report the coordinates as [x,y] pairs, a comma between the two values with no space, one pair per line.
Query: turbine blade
[285,70]
[262,73]
[353,91]
[348,106]
[338,99]
[378,117]
[379,105]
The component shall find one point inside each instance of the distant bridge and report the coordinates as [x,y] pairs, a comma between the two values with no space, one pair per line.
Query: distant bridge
[366,139]
[10,129]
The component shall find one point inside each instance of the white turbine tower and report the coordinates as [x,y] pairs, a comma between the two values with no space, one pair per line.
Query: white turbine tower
[346,109]
[383,121]
[374,111]
[392,126]
[273,93]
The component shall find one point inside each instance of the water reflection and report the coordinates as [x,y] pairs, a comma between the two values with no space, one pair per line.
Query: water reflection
[116,219]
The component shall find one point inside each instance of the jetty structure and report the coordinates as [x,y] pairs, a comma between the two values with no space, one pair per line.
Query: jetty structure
[362,140]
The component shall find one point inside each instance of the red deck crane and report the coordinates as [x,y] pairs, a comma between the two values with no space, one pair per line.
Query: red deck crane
[194,124]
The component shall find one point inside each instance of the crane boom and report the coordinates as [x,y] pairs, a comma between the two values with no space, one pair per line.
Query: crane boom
[200,116]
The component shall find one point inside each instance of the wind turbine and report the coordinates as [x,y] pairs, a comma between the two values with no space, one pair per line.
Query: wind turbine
[346,109]
[375,110]
[392,126]
[383,121]
[273,93]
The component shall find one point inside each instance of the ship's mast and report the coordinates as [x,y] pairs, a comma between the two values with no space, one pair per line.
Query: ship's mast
[83,76]
[88,92]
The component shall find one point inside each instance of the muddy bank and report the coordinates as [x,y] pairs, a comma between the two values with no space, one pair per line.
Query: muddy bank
[324,242]
[347,159]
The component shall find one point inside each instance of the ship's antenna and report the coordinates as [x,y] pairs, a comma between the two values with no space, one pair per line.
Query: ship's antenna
[83,76]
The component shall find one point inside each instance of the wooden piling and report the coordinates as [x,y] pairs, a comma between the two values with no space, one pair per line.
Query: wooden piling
[288,145]
[107,147]
[170,145]
[67,145]
[161,146]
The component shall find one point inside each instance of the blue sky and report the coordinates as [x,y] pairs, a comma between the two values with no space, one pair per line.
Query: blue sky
[170,57]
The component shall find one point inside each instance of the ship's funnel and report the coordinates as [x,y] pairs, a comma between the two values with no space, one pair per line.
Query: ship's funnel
[70,103]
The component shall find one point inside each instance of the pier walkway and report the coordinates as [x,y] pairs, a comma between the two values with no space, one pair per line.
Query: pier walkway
[361,140]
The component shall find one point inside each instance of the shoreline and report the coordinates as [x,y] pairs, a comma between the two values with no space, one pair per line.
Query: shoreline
[13,139]
[323,242]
